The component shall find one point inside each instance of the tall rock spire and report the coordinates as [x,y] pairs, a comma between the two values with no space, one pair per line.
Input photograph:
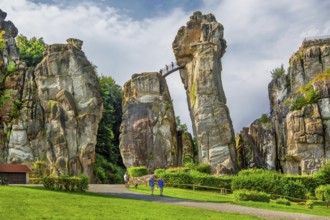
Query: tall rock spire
[198,47]
[148,134]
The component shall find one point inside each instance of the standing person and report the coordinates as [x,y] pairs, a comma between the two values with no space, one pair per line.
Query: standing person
[126,180]
[161,186]
[152,184]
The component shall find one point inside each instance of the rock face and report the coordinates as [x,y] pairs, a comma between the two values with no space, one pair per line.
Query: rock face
[300,110]
[255,146]
[186,148]
[56,111]
[198,47]
[148,132]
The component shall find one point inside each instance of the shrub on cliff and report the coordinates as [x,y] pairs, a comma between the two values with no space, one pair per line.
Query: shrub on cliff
[2,40]
[277,72]
[31,50]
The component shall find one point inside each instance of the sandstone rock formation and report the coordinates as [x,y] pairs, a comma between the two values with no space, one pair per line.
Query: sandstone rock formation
[300,110]
[198,47]
[186,148]
[53,111]
[148,132]
[255,146]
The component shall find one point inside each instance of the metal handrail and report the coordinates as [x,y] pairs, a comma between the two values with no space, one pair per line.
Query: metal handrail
[169,68]
[317,37]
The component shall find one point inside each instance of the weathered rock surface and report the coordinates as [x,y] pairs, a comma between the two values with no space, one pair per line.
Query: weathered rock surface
[186,148]
[255,146]
[148,132]
[199,47]
[53,111]
[302,141]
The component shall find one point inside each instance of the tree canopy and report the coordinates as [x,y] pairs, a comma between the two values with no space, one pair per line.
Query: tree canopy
[179,126]
[108,164]
[31,50]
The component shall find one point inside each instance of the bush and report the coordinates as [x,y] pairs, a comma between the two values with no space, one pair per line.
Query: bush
[107,172]
[178,178]
[203,168]
[137,171]
[246,195]
[309,182]
[159,172]
[66,183]
[258,180]
[283,201]
[191,165]
[323,175]
[309,204]
[11,67]
[294,189]
[323,193]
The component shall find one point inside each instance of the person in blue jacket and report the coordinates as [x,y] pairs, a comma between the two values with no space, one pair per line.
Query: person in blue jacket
[161,186]
[152,184]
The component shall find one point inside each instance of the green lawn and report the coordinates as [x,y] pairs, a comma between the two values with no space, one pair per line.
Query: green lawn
[38,203]
[319,209]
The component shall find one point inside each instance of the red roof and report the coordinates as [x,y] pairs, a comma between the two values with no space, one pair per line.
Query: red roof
[14,168]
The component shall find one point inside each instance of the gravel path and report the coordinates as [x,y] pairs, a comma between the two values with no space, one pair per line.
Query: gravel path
[121,191]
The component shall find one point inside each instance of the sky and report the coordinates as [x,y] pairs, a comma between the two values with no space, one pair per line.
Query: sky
[123,37]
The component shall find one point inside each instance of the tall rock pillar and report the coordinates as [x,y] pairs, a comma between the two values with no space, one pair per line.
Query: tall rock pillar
[198,48]
[148,132]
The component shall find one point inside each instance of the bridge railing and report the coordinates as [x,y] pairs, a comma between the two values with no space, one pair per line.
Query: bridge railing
[317,37]
[168,68]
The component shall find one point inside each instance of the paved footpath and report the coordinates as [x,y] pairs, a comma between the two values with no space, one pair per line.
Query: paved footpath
[121,191]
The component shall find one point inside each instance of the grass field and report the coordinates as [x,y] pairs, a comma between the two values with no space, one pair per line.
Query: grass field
[37,203]
[319,209]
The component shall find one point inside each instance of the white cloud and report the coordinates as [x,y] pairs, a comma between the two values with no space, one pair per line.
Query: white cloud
[261,35]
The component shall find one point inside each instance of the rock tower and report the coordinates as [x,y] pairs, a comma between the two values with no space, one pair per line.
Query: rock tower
[198,48]
[148,133]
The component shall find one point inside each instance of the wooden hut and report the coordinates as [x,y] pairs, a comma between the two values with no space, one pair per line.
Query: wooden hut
[14,174]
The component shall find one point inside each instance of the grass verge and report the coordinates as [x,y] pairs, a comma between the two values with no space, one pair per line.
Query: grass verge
[207,196]
[38,203]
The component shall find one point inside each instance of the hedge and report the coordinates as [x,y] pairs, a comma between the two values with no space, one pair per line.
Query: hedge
[271,182]
[247,195]
[180,178]
[310,182]
[258,180]
[137,171]
[177,179]
[35,180]
[66,183]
